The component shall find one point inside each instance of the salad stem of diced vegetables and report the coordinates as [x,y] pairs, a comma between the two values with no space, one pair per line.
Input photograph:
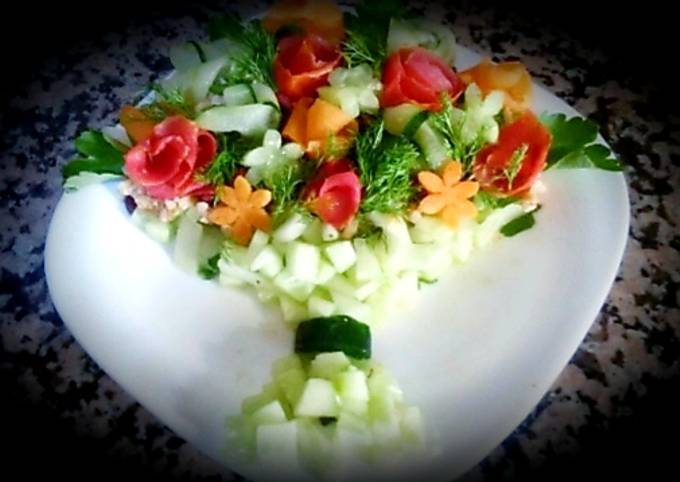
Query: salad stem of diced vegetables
[332,163]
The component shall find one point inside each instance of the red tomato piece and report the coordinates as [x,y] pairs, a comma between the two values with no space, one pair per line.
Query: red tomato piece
[526,132]
[418,76]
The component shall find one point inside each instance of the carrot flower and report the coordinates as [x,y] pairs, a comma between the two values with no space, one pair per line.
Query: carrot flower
[447,196]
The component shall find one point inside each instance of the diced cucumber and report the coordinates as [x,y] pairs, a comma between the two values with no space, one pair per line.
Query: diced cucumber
[329,233]
[270,413]
[291,383]
[302,261]
[294,287]
[158,230]
[353,390]
[292,310]
[430,260]
[429,229]
[269,393]
[398,242]
[259,240]
[237,273]
[489,229]
[367,267]
[187,242]
[277,445]
[248,120]
[345,98]
[463,242]
[272,138]
[284,364]
[292,151]
[318,399]
[432,145]
[366,289]
[315,445]
[351,307]
[382,384]
[267,262]
[328,365]
[325,273]
[317,306]
[397,118]
[341,254]
[240,94]
[340,284]
[291,229]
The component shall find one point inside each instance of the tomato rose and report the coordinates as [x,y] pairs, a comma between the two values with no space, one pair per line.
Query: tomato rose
[166,162]
[418,76]
[335,193]
[302,64]
[512,164]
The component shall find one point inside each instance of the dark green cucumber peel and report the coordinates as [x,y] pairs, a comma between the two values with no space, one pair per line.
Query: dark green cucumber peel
[334,333]
[414,123]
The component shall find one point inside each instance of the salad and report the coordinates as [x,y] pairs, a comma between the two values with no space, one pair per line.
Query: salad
[333,164]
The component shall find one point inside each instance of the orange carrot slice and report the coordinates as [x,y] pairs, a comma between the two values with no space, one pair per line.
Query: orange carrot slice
[296,127]
[324,119]
[136,124]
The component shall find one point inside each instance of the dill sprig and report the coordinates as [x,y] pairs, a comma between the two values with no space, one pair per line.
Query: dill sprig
[386,164]
[224,167]
[367,29]
[285,184]
[449,122]
[255,61]
[167,102]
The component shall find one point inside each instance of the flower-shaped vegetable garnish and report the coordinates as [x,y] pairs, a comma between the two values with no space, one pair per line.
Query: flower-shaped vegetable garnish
[512,78]
[302,64]
[241,210]
[321,17]
[334,193]
[417,76]
[166,162]
[321,127]
[514,163]
[448,196]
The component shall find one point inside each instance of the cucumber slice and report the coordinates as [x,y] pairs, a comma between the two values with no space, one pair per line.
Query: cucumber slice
[184,56]
[334,333]
[196,84]
[248,120]
[240,94]
[187,243]
[318,399]
[432,145]
[398,117]
[291,229]
[265,95]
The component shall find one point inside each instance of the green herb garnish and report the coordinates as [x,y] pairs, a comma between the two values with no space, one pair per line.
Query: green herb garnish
[223,168]
[258,48]
[96,155]
[208,268]
[367,31]
[167,102]
[512,169]
[519,224]
[386,165]
[573,144]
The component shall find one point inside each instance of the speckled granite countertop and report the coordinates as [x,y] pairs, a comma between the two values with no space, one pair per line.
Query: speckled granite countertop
[633,344]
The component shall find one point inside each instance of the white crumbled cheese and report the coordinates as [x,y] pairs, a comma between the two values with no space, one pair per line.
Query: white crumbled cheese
[166,210]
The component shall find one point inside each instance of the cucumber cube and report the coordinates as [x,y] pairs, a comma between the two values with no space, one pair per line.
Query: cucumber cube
[277,445]
[412,426]
[353,391]
[326,272]
[342,255]
[329,233]
[268,262]
[295,288]
[284,364]
[317,306]
[291,229]
[292,311]
[328,365]
[367,267]
[302,261]
[319,399]
[270,413]
[291,383]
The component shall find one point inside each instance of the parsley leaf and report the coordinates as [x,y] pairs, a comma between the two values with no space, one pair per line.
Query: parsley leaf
[97,155]
[573,144]
[519,224]
[386,165]
[367,30]
[255,62]
[208,269]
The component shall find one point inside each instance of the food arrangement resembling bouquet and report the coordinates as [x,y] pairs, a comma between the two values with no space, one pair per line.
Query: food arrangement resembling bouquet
[332,163]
